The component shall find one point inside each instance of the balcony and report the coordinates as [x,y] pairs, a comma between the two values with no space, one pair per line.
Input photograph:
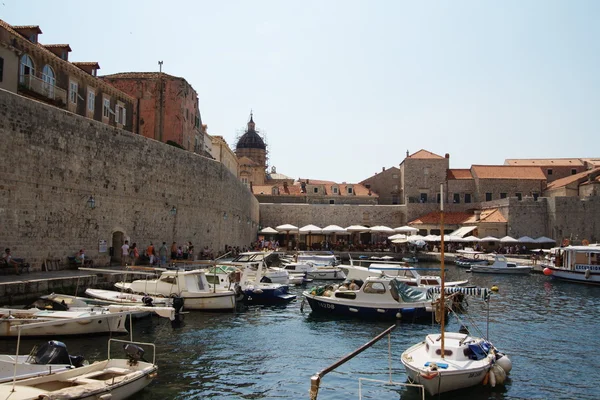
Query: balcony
[45,89]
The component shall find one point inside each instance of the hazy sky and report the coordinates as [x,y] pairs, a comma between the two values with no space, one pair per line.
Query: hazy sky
[344,88]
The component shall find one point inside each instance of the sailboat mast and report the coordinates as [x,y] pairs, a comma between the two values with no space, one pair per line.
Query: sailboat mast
[443,272]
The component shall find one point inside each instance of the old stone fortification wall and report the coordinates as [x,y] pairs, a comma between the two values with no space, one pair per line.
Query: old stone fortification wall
[53,161]
[329,214]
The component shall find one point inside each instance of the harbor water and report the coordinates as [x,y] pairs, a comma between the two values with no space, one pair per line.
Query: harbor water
[549,329]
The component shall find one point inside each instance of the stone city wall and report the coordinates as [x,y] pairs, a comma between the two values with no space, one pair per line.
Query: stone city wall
[54,161]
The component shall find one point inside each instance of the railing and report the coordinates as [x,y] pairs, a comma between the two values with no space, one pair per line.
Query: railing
[46,89]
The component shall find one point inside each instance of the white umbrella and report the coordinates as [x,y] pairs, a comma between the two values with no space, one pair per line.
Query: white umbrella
[414,238]
[420,243]
[508,239]
[268,231]
[432,238]
[397,236]
[406,229]
[357,228]
[400,241]
[471,239]
[544,239]
[333,229]
[452,238]
[381,229]
[489,239]
[308,229]
[526,239]
[287,228]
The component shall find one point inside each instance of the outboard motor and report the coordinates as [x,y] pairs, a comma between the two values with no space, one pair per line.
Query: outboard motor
[133,353]
[178,306]
[148,301]
[55,352]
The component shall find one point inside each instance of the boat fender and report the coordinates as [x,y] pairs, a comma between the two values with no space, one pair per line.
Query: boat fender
[492,378]
[106,396]
[504,362]
[486,378]
[499,374]
[429,375]
[588,273]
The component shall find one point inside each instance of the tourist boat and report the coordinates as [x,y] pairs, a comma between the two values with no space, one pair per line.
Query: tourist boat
[249,286]
[377,297]
[575,264]
[192,286]
[470,257]
[448,361]
[113,378]
[501,266]
[50,358]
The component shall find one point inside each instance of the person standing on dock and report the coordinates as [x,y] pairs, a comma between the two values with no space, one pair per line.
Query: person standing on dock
[162,254]
[125,253]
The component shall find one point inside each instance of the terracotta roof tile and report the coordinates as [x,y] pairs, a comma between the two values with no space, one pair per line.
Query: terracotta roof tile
[34,27]
[488,215]
[86,64]
[451,218]
[545,162]
[139,75]
[459,174]
[315,182]
[57,46]
[507,172]
[567,180]
[425,154]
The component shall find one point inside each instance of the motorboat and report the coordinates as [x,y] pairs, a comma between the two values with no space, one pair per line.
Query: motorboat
[113,378]
[376,297]
[575,264]
[49,358]
[192,286]
[249,286]
[501,265]
[447,361]
[115,297]
[72,322]
[406,274]
[468,257]
[313,271]
[317,258]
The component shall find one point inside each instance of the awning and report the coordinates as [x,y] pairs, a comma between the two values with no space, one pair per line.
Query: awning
[463,231]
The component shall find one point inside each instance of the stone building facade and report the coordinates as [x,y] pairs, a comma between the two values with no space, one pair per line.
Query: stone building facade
[167,108]
[251,152]
[312,191]
[421,174]
[44,72]
[222,153]
[387,184]
[553,168]
[67,182]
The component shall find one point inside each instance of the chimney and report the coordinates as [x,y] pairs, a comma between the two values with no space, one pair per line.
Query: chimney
[447,155]
[382,169]
[477,215]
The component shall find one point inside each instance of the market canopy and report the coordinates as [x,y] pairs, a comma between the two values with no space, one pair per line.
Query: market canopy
[268,231]
[287,228]
[308,229]
[406,229]
[508,239]
[463,231]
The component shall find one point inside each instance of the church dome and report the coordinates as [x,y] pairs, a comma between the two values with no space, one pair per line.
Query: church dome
[251,139]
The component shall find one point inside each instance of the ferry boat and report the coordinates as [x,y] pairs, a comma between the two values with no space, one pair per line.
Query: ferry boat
[575,264]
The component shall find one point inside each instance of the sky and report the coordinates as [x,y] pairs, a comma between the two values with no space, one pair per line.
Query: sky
[343,88]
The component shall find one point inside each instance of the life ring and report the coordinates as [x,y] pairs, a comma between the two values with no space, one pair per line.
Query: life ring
[585,242]
[566,242]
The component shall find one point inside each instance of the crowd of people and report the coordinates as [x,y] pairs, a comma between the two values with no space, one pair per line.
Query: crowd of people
[132,254]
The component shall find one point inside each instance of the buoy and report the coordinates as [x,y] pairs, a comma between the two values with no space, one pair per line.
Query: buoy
[492,378]
[499,374]
[547,271]
[494,288]
[505,363]
[486,378]
[399,315]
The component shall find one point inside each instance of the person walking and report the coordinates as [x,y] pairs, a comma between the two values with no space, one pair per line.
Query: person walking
[125,253]
[162,254]
[133,253]
[150,253]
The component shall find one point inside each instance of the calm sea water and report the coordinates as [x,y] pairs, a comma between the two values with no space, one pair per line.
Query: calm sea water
[549,330]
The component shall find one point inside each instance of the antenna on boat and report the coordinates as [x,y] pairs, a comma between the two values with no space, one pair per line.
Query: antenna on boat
[442,275]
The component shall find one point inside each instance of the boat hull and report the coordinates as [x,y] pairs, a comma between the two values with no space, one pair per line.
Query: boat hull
[448,381]
[262,295]
[575,276]
[330,306]
[209,301]
[519,270]
[327,274]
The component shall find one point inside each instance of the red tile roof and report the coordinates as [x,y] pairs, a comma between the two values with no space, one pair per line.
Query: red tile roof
[567,180]
[139,75]
[34,27]
[545,162]
[59,46]
[459,174]
[425,154]
[507,172]
[86,64]
[488,215]
[451,218]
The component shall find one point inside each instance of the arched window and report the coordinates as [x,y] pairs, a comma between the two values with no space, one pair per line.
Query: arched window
[49,80]
[26,68]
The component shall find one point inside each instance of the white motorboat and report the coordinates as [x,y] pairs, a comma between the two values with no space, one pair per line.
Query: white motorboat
[406,274]
[113,378]
[192,286]
[72,322]
[501,266]
[377,297]
[313,271]
[468,257]
[575,264]
[447,361]
[50,358]
[317,258]
[115,297]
